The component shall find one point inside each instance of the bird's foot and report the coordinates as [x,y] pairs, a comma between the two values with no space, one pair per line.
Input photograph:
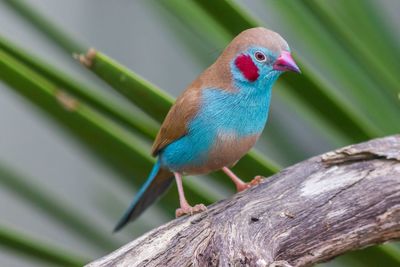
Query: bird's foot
[241,185]
[190,210]
[256,180]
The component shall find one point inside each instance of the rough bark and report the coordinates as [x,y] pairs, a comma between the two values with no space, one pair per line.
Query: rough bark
[308,213]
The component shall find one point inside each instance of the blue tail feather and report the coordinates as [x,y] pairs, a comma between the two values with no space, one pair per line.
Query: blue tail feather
[156,184]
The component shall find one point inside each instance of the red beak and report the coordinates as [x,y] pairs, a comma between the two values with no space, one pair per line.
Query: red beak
[285,62]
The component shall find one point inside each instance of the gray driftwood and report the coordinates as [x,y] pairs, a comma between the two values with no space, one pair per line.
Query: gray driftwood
[311,212]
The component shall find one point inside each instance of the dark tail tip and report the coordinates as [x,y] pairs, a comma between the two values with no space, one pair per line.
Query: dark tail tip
[124,220]
[158,182]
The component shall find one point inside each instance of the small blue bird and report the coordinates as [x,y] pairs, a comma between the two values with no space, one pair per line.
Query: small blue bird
[217,119]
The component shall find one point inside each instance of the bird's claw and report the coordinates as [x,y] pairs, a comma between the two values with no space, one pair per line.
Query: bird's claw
[256,180]
[244,186]
[190,210]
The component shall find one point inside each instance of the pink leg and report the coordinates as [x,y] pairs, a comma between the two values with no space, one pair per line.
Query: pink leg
[185,207]
[182,200]
[240,185]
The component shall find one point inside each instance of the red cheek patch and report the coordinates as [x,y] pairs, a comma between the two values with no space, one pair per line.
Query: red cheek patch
[247,67]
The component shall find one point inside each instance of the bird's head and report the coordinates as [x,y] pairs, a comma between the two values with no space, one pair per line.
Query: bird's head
[258,54]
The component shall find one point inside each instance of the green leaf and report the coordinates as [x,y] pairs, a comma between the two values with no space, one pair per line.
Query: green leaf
[136,89]
[33,195]
[392,251]
[113,144]
[48,28]
[343,76]
[206,33]
[36,249]
[382,255]
[141,125]
[233,18]
[368,53]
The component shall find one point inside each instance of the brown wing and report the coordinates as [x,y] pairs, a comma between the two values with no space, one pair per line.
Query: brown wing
[186,106]
[180,114]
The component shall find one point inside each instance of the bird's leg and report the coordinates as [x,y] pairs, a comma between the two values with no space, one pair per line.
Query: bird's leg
[240,185]
[185,207]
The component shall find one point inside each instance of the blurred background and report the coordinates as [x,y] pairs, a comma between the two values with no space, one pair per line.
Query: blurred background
[66,176]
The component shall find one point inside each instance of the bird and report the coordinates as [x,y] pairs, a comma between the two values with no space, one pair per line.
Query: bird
[217,119]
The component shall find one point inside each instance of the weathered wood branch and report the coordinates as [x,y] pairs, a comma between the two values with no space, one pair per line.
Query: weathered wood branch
[311,212]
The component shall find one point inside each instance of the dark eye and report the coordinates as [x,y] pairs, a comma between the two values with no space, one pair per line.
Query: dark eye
[260,56]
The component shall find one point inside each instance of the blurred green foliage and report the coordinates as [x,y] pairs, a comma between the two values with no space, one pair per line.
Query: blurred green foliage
[348,93]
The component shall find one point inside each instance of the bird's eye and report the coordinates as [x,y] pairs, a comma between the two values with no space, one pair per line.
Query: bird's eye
[260,56]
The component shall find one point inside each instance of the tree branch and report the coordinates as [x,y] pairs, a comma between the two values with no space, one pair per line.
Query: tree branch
[308,213]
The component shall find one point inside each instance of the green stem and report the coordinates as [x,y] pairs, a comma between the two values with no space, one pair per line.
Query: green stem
[341,77]
[48,28]
[143,126]
[56,209]
[356,48]
[117,146]
[136,89]
[36,249]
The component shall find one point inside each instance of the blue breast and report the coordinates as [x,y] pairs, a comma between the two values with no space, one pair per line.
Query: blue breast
[240,113]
